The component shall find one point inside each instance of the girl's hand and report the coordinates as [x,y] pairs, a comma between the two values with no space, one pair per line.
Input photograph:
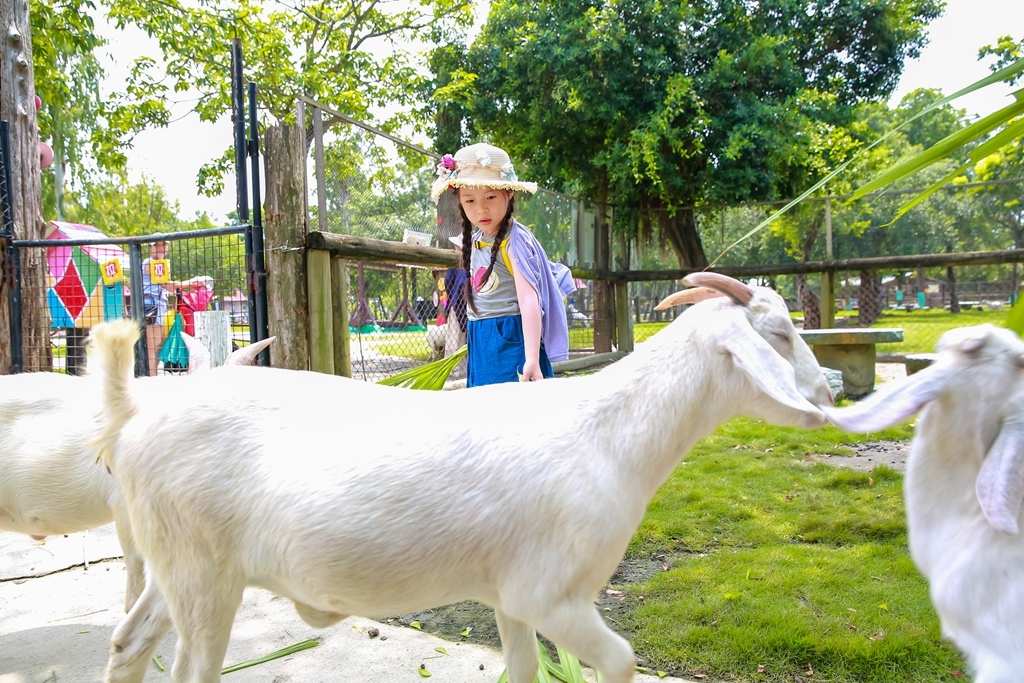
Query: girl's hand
[531,372]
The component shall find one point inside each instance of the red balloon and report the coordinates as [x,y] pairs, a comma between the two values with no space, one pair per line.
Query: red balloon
[45,155]
[39,103]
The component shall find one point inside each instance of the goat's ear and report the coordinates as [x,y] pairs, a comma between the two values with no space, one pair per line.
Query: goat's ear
[1000,484]
[893,403]
[770,373]
[687,296]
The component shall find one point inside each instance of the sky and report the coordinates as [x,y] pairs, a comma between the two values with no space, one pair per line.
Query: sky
[172,156]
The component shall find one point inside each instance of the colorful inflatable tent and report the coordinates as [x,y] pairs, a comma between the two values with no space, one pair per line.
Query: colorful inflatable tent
[76,292]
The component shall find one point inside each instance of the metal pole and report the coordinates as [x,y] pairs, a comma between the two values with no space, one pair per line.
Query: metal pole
[138,308]
[242,184]
[259,255]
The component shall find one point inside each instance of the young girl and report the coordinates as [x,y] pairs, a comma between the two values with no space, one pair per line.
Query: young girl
[517,324]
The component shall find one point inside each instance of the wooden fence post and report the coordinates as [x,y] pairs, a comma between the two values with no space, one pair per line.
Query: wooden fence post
[285,228]
[321,315]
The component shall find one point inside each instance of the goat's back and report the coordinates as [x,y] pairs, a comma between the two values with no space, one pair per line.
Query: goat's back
[355,489]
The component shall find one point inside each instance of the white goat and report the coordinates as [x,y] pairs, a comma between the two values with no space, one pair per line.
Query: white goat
[963,489]
[435,338]
[524,500]
[50,483]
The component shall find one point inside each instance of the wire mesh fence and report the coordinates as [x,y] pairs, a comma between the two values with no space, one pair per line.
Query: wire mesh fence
[367,184]
[193,296]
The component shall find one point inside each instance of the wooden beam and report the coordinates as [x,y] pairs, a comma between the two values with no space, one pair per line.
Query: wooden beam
[367,249]
[969,258]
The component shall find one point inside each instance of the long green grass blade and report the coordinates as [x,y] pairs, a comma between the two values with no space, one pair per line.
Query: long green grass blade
[283,652]
[571,666]
[993,145]
[1001,75]
[943,148]
[1015,319]
[429,376]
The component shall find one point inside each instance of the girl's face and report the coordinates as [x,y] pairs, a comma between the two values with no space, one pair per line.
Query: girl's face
[485,207]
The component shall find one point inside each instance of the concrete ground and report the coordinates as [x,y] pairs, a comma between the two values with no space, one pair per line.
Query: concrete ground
[61,600]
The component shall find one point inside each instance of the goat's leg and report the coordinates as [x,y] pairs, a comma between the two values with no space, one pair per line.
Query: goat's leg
[137,636]
[518,647]
[203,606]
[133,562]
[576,626]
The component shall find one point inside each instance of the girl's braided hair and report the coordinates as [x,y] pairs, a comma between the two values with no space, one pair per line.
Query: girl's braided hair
[467,248]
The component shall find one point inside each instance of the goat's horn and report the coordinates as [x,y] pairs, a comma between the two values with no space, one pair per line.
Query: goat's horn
[247,354]
[734,289]
[687,296]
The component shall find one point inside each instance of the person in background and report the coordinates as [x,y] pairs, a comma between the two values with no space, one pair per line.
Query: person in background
[155,299]
[516,314]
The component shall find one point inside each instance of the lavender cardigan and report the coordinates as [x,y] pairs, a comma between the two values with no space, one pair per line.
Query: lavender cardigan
[552,281]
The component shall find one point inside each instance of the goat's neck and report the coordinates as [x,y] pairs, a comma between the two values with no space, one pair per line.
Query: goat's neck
[946,455]
[653,406]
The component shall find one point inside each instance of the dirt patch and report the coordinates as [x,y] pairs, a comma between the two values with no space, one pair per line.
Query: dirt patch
[868,456]
[472,622]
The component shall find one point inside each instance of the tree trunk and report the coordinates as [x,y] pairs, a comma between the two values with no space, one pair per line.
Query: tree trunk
[286,225]
[869,302]
[604,292]
[17,107]
[954,298]
[808,302]
[681,231]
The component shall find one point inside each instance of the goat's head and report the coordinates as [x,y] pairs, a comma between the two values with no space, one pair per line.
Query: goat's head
[977,378]
[759,335]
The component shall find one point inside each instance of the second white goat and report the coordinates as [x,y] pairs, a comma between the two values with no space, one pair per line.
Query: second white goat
[50,482]
[964,489]
[524,498]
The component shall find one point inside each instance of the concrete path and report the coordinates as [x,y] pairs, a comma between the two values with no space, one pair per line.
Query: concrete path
[57,616]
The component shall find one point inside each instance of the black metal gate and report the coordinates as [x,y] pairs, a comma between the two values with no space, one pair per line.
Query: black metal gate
[88,280]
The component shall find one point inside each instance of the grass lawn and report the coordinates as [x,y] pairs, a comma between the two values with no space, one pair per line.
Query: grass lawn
[922,329]
[783,567]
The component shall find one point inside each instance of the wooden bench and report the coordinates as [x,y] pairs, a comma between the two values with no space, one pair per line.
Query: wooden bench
[852,352]
[919,361]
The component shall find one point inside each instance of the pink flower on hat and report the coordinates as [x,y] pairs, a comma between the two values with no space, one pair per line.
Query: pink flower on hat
[446,166]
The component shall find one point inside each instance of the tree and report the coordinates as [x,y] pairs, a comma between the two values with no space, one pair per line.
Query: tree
[355,56]
[352,56]
[669,106]
[68,75]
[17,107]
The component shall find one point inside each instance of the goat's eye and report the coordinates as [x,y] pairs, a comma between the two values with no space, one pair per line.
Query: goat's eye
[782,338]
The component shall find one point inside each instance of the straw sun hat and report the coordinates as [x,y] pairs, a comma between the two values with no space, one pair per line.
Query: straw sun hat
[479,165]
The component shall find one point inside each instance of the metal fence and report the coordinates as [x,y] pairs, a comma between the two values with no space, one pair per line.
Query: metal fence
[93,278]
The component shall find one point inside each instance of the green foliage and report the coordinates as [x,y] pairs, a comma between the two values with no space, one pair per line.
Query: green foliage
[358,57]
[655,106]
[67,75]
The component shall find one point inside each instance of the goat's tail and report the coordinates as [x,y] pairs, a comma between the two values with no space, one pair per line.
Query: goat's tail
[112,362]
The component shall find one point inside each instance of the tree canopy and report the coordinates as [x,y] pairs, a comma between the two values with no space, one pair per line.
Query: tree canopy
[664,107]
[357,56]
